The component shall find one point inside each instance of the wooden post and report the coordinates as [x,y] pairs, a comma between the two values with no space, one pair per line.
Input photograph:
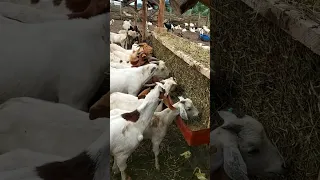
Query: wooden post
[161,14]
[120,11]
[199,19]
[136,12]
[144,19]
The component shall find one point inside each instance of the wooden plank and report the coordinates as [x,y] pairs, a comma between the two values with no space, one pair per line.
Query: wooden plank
[205,71]
[144,19]
[161,13]
[293,21]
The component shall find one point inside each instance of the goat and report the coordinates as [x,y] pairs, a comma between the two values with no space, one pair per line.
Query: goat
[111,21]
[161,121]
[49,75]
[243,140]
[90,164]
[121,79]
[125,136]
[44,126]
[118,38]
[115,47]
[129,102]
[102,103]
[126,25]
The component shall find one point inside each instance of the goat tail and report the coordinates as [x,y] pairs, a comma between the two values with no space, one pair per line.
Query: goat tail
[140,137]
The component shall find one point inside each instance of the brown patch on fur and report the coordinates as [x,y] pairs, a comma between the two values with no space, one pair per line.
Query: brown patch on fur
[167,101]
[140,57]
[156,122]
[144,93]
[101,108]
[131,116]
[81,167]
[87,8]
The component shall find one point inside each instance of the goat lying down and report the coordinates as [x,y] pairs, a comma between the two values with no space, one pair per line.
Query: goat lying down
[125,136]
[161,120]
[241,148]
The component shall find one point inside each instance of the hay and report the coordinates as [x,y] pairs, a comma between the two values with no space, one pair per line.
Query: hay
[180,44]
[192,84]
[309,6]
[266,74]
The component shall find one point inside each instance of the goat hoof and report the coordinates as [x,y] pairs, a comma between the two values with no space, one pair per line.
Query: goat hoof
[157,167]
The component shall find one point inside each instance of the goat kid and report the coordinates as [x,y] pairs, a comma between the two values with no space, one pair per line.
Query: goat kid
[162,120]
[243,140]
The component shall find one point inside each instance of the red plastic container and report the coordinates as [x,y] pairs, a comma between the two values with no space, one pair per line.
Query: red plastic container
[193,138]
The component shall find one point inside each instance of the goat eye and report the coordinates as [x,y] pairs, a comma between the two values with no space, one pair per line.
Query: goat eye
[254,151]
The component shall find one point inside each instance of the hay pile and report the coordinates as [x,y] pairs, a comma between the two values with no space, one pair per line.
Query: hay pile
[192,84]
[261,71]
[180,44]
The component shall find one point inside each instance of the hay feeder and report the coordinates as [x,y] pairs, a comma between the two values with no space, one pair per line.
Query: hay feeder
[189,65]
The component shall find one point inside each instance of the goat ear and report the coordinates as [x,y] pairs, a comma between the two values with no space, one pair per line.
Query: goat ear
[231,122]
[234,165]
[183,113]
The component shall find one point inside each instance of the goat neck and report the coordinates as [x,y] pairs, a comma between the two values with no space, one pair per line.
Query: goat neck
[166,99]
[169,114]
[147,109]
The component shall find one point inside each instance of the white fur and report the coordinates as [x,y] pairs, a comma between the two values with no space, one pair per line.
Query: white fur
[130,80]
[125,136]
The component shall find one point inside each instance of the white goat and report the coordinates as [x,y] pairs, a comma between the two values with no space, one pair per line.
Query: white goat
[125,136]
[115,47]
[129,102]
[206,29]
[111,21]
[161,121]
[118,38]
[162,72]
[121,80]
[121,55]
[126,25]
[243,140]
[122,31]
[92,160]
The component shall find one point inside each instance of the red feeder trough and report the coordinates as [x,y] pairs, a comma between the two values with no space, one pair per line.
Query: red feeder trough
[193,138]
